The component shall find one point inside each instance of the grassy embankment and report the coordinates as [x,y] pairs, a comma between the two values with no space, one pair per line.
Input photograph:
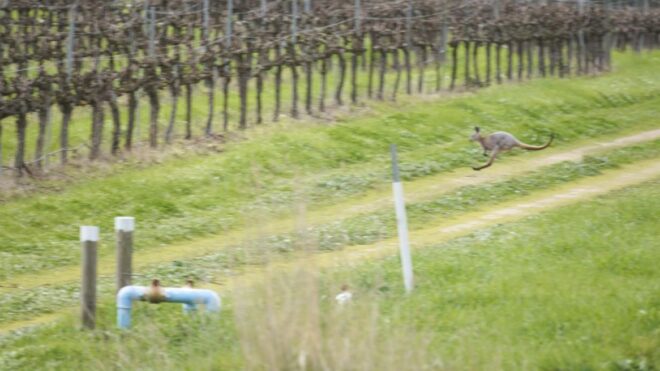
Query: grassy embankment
[79,130]
[572,288]
[190,197]
[361,229]
[179,200]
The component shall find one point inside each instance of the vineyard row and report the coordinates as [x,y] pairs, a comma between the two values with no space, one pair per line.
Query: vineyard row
[94,53]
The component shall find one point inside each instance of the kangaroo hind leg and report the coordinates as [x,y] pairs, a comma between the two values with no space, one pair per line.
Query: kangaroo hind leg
[496,150]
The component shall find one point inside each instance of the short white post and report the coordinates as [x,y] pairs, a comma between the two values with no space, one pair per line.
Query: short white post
[89,238]
[124,227]
[401,223]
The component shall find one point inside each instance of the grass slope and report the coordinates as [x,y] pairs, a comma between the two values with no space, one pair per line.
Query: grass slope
[573,289]
[79,129]
[366,228]
[555,291]
[199,195]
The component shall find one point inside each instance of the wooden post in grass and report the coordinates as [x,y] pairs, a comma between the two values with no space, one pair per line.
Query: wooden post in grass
[0,149]
[124,226]
[401,223]
[89,237]
[582,54]
[70,41]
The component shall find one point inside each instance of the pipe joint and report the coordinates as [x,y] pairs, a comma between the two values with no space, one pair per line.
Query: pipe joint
[189,297]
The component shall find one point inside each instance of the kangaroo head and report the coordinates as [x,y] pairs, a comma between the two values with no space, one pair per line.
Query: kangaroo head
[476,136]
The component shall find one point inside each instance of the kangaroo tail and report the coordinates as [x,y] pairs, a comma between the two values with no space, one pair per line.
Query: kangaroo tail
[537,148]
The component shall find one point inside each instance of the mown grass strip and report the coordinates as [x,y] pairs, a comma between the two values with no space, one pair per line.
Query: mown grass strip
[188,198]
[379,198]
[572,288]
[367,228]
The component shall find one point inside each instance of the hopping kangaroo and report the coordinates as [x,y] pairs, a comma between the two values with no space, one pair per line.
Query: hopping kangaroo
[501,142]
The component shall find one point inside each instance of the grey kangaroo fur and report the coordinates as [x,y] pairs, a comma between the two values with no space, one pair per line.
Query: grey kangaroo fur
[501,141]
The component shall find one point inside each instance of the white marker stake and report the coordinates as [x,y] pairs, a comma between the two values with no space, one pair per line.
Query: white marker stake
[401,223]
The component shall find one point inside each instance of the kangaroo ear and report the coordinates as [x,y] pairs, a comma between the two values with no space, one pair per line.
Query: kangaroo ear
[476,128]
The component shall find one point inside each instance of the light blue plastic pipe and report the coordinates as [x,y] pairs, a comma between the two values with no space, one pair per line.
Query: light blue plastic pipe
[189,297]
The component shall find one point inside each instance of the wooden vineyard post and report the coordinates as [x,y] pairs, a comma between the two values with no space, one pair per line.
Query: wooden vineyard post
[357,45]
[0,149]
[89,237]
[227,68]
[124,227]
[309,49]
[292,55]
[408,47]
[70,41]
[210,80]
[582,55]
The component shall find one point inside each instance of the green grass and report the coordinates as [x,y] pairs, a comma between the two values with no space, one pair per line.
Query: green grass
[185,198]
[555,291]
[365,228]
[572,289]
[371,227]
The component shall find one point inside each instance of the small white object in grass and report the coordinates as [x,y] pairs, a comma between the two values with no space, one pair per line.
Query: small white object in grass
[344,296]
[302,359]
